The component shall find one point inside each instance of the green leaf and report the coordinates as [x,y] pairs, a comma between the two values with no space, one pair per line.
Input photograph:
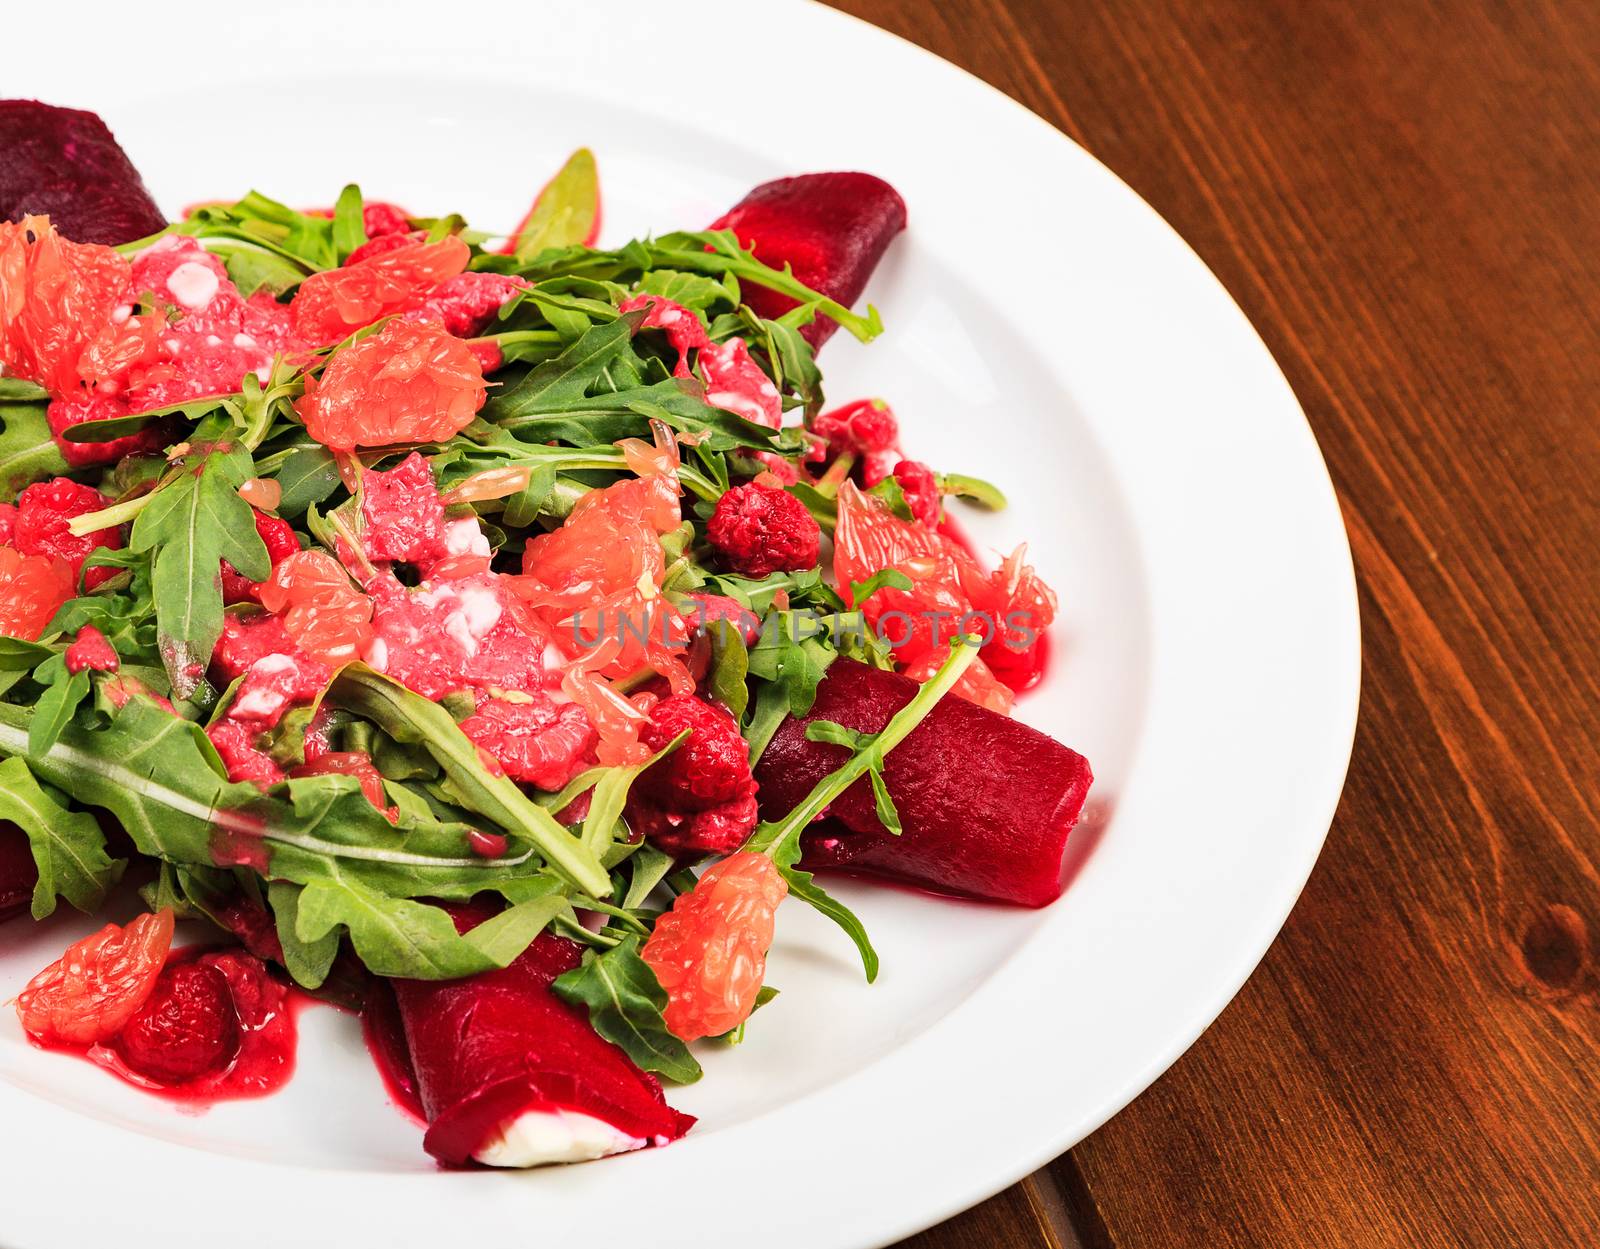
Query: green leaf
[885,578]
[61,698]
[625,1003]
[27,451]
[307,477]
[692,290]
[192,525]
[974,488]
[566,211]
[400,937]
[888,816]
[650,867]
[68,847]
[254,268]
[349,228]
[556,384]
[730,665]
[611,795]
[408,717]
[307,961]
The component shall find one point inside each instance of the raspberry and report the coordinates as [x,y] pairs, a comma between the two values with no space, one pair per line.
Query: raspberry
[187,1027]
[356,763]
[280,542]
[410,382]
[735,383]
[468,302]
[8,522]
[381,243]
[710,767]
[700,799]
[384,220]
[334,304]
[97,984]
[862,427]
[710,951]
[32,589]
[691,835]
[327,617]
[244,761]
[921,489]
[43,512]
[65,412]
[684,328]
[401,513]
[759,530]
[534,738]
[245,639]
[55,298]
[90,652]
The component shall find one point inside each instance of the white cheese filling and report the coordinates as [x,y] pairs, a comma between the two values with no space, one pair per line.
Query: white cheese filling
[539,1137]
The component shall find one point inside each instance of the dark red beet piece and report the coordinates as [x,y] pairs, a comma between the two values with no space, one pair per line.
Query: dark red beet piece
[832,228]
[65,164]
[986,803]
[18,872]
[489,1047]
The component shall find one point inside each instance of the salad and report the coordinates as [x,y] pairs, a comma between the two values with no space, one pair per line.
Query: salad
[492,635]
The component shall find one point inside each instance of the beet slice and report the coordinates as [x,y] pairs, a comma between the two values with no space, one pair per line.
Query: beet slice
[986,803]
[831,228]
[489,1047]
[64,163]
[18,872]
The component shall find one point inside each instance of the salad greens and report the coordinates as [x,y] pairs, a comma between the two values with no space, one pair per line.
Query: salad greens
[333,870]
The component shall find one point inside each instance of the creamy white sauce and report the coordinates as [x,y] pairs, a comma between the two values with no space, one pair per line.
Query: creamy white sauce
[193,284]
[539,1137]
[463,537]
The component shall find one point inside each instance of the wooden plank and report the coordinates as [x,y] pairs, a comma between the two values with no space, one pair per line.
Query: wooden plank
[1405,199]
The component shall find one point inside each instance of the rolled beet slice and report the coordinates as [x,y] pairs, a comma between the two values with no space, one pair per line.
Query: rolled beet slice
[18,872]
[985,803]
[509,1074]
[65,164]
[831,228]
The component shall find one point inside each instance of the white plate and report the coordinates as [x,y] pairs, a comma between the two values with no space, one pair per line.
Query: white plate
[1046,330]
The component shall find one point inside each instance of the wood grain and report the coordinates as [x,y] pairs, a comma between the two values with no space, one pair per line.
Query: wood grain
[1405,199]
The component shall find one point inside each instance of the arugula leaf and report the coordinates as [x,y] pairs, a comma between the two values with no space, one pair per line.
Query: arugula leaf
[793,653]
[981,492]
[692,290]
[566,211]
[349,227]
[408,717]
[625,1003]
[730,665]
[63,693]
[307,961]
[193,524]
[27,451]
[611,795]
[253,268]
[307,477]
[161,777]
[399,937]
[558,383]
[650,867]
[68,847]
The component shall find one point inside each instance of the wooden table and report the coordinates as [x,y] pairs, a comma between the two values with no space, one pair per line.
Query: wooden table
[1405,198]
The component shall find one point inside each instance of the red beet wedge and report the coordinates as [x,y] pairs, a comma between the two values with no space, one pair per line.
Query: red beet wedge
[831,228]
[986,803]
[18,872]
[492,1047]
[64,163]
